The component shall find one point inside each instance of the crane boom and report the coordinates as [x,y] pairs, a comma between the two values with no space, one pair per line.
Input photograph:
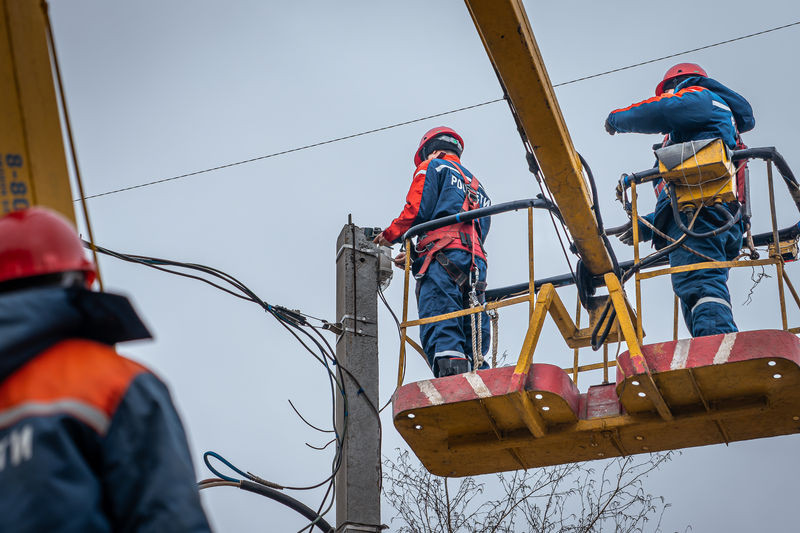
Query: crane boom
[506,33]
[33,164]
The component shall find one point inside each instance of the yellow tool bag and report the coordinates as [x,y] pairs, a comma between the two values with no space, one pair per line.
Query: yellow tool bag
[701,171]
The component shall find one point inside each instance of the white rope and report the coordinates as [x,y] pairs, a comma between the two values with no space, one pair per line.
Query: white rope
[479,320]
[474,343]
[477,333]
[495,316]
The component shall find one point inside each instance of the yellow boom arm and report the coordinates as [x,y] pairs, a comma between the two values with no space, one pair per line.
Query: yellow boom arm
[508,38]
[33,167]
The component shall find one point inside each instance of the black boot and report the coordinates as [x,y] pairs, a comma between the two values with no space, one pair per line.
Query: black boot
[451,367]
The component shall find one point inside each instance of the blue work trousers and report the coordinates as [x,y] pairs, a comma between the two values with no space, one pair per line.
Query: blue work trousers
[438,294]
[705,300]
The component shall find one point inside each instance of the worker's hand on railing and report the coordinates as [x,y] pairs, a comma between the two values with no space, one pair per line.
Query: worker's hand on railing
[609,128]
[381,240]
[400,260]
[621,188]
[626,237]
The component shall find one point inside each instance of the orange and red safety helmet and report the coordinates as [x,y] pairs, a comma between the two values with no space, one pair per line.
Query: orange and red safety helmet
[448,136]
[38,241]
[681,69]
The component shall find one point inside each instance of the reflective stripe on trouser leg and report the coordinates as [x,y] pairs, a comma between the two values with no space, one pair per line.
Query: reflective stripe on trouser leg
[708,286]
[709,300]
[711,316]
[449,354]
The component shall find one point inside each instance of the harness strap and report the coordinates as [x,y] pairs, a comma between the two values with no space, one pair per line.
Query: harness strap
[463,236]
[432,244]
[661,184]
[658,187]
[438,244]
[456,274]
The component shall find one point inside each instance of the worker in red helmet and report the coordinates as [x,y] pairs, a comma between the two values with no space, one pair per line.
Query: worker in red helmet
[691,106]
[449,263]
[89,440]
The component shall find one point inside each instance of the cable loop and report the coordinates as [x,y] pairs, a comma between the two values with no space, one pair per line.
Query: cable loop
[227,463]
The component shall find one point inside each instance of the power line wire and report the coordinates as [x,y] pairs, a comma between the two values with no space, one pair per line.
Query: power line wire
[407,122]
[678,54]
[306,147]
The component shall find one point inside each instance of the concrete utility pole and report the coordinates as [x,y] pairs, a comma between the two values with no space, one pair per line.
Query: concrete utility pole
[358,482]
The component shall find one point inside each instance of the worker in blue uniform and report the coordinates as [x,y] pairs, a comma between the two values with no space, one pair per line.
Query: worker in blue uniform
[691,106]
[450,262]
[90,441]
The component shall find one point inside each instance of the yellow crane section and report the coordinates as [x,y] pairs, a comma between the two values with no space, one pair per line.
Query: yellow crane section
[506,33]
[33,165]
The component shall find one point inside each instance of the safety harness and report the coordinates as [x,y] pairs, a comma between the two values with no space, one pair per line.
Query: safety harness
[461,236]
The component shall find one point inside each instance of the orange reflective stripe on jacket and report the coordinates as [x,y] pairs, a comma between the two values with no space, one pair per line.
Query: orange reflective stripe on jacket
[80,378]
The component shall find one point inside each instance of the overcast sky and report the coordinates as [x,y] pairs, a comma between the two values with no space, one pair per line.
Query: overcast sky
[160,88]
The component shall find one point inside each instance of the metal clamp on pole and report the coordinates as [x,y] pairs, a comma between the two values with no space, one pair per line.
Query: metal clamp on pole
[341,328]
[350,527]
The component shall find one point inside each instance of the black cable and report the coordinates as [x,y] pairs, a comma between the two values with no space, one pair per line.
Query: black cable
[731,219]
[294,322]
[597,343]
[652,258]
[338,457]
[288,501]
[473,214]
[535,169]
[309,424]
[399,334]
[583,283]
[133,259]
[599,218]
[339,438]
[276,495]
[771,154]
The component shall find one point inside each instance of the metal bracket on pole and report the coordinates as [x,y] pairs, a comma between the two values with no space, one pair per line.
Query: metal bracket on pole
[350,527]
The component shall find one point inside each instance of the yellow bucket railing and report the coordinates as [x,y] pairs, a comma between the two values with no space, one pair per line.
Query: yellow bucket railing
[628,322]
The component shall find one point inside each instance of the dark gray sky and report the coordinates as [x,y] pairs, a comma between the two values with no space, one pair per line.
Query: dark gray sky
[157,89]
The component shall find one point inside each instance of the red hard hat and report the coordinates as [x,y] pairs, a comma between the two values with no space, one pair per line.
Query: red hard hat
[681,69]
[430,134]
[39,241]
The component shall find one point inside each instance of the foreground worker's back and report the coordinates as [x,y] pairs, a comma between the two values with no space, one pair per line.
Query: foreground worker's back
[89,440]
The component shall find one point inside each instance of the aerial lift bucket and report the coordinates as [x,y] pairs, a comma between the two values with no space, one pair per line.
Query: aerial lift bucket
[719,389]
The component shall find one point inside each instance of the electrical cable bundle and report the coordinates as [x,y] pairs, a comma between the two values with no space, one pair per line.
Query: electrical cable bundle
[311,338]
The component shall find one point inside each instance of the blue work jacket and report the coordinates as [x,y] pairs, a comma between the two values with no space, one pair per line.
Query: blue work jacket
[90,441]
[700,108]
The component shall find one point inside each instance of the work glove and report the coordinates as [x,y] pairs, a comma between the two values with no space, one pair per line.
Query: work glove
[621,185]
[626,237]
[609,128]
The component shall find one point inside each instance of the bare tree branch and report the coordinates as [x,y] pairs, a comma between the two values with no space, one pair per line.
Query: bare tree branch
[572,498]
